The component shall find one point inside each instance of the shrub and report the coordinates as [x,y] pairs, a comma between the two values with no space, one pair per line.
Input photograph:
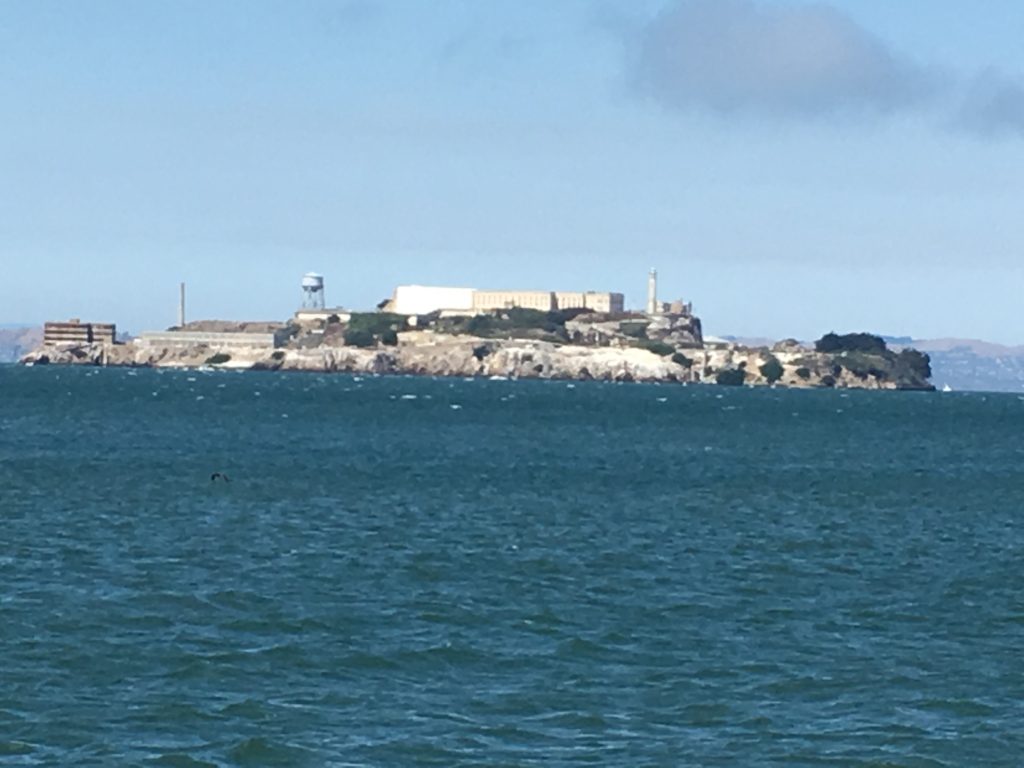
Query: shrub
[481,351]
[914,363]
[359,337]
[803,373]
[772,370]
[218,359]
[376,323]
[389,337]
[828,381]
[658,347]
[277,354]
[730,377]
[680,359]
[529,323]
[863,365]
[633,329]
[851,342]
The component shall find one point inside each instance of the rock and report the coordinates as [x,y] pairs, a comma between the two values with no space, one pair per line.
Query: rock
[436,354]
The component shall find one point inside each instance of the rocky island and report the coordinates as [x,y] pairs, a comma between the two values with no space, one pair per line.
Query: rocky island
[510,343]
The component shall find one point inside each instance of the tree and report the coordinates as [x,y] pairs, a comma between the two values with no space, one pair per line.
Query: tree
[914,363]
[359,337]
[772,370]
[851,342]
[658,348]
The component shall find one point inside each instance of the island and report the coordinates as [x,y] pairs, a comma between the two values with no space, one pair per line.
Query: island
[515,343]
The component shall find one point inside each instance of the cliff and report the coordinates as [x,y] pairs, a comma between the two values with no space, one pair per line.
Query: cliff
[418,352]
[597,354]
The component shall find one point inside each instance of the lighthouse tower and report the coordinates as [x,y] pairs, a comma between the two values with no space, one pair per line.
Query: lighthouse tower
[652,292]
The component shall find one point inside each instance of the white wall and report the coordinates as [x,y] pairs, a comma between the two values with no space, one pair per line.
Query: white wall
[423,299]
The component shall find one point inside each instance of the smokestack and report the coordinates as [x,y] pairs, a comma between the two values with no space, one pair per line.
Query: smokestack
[181,307]
[652,292]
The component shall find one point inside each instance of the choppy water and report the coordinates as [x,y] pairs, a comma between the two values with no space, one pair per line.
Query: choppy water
[414,572]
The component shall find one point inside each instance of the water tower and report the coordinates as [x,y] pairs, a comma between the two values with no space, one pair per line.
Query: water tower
[312,291]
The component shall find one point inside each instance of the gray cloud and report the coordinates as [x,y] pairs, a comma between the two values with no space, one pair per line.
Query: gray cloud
[993,105]
[736,56]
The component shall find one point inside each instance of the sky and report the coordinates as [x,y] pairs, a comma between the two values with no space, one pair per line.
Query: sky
[792,168]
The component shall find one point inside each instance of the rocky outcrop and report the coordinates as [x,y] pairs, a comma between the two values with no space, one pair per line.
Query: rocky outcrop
[437,354]
[424,353]
[417,353]
[679,331]
[790,364]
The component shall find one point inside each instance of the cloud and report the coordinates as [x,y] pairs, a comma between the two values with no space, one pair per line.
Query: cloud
[798,60]
[993,106]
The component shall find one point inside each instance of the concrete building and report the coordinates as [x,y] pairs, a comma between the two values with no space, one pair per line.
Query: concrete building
[322,315]
[596,301]
[76,332]
[487,301]
[211,339]
[423,300]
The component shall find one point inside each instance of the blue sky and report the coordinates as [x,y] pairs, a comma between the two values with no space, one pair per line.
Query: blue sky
[791,168]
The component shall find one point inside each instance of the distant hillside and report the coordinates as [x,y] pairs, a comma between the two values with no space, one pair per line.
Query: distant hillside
[970,364]
[17,341]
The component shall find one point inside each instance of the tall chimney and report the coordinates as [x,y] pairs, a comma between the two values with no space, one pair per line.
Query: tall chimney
[652,292]
[181,306]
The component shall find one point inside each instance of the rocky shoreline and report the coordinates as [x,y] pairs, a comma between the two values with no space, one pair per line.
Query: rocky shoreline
[430,353]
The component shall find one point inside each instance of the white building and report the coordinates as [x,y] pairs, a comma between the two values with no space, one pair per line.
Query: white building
[424,299]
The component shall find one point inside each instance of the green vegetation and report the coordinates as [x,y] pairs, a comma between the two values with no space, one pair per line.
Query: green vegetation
[911,363]
[772,370]
[863,365]
[635,329]
[657,347]
[359,337]
[277,354]
[803,373]
[366,329]
[680,359]
[218,359]
[866,356]
[730,377]
[376,323]
[851,342]
[515,322]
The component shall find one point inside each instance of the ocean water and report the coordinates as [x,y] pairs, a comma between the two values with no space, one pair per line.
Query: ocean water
[416,572]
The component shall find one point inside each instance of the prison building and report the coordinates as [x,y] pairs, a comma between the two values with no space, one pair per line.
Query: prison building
[76,332]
